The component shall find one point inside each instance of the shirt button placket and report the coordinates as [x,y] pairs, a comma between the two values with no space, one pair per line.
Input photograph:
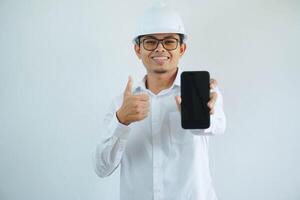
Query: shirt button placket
[157,173]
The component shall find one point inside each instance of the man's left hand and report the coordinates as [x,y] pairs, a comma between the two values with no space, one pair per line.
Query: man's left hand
[213,97]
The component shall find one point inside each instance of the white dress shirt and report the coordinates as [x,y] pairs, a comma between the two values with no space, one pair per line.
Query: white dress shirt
[159,160]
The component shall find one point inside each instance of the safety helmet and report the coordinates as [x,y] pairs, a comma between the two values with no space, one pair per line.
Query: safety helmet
[159,19]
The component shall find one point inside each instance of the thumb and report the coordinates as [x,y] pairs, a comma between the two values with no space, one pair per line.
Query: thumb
[128,88]
[178,102]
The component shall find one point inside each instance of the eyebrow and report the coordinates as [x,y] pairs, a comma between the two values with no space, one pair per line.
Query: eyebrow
[150,36]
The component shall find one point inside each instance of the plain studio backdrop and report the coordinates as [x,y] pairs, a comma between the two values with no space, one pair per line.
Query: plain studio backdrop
[62,62]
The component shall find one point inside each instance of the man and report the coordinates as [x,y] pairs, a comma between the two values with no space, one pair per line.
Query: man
[158,159]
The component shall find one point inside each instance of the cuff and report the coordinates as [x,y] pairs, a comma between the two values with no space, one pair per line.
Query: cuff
[119,130]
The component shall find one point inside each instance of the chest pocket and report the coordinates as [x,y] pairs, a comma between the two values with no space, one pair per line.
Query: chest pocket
[177,133]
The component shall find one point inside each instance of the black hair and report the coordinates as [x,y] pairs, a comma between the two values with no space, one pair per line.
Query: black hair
[181,38]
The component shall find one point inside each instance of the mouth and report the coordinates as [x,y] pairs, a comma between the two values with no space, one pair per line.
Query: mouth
[160,57]
[160,60]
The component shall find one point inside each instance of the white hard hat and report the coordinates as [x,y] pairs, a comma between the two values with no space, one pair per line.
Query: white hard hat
[159,19]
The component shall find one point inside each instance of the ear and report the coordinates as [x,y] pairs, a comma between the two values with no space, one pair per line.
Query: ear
[182,49]
[137,49]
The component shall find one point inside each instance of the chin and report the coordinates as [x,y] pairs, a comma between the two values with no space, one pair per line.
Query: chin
[160,71]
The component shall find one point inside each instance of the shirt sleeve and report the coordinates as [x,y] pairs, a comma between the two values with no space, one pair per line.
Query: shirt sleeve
[218,119]
[109,150]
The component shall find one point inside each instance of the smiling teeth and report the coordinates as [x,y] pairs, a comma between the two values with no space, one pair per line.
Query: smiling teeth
[160,58]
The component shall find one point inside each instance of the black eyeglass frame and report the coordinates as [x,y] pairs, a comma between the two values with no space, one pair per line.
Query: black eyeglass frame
[162,42]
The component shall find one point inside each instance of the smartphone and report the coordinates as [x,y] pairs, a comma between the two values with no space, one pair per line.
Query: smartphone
[195,96]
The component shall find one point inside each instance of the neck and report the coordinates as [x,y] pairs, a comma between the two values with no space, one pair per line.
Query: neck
[157,82]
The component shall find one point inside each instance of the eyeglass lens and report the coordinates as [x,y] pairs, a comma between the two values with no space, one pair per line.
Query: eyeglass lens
[151,43]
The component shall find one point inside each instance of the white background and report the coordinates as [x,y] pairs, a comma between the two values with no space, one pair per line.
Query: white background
[61,63]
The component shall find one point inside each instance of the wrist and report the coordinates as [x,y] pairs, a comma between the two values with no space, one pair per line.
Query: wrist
[121,118]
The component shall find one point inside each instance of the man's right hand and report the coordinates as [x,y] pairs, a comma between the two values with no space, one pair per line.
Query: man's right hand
[134,107]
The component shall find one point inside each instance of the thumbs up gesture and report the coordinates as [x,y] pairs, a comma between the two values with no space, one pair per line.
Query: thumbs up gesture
[134,107]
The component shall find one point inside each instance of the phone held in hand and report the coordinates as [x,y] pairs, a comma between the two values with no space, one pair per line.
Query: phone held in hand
[195,96]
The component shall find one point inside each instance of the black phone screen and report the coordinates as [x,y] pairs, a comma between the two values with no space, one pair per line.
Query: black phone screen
[195,96]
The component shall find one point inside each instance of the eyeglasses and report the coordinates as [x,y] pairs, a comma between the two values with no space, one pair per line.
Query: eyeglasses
[152,43]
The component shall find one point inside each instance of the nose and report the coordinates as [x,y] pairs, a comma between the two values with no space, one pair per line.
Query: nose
[160,47]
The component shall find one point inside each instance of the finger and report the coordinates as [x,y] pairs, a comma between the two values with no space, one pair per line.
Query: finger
[140,108]
[178,102]
[128,89]
[139,115]
[143,105]
[213,83]
[212,111]
[213,96]
[142,97]
[213,99]
[145,112]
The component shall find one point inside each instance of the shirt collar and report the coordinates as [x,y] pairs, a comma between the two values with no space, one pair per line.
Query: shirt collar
[142,84]
[177,79]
